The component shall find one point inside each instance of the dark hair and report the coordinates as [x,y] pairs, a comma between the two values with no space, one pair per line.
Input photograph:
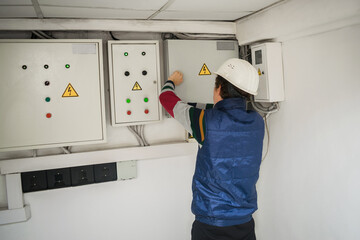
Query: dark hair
[228,90]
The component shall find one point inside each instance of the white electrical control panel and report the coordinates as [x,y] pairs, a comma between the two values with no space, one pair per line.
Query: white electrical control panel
[134,73]
[267,59]
[197,60]
[51,93]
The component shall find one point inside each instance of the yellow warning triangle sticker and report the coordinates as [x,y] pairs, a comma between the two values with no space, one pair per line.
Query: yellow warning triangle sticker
[70,91]
[136,87]
[204,70]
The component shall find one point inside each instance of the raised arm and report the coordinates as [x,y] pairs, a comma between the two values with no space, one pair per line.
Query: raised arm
[188,115]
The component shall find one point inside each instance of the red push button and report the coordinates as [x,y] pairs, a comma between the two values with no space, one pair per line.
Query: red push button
[146,111]
[128,112]
[48,115]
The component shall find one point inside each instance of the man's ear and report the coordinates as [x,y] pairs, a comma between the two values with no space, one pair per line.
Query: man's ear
[218,90]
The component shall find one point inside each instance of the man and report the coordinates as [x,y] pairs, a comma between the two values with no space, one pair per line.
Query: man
[229,156]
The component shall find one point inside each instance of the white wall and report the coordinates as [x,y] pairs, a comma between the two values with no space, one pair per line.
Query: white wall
[155,206]
[309,185]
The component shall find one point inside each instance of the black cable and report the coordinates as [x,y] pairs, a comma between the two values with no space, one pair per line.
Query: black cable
[113,37]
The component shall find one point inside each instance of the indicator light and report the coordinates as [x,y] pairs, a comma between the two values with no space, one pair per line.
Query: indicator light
[146,99]
[126,54]
[144,73]
[146,111]
[24,67]
[128,100]
[143,53]
[47,99]
[47,83]
[48,115]
[46,66]
[128,112]
[127,73]
[67,65]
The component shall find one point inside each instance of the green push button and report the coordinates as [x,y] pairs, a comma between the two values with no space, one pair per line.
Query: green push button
[126,54]
[146,99]
[128,100]
[67,66]
[47,99]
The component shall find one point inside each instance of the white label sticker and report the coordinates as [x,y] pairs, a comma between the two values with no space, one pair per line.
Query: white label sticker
[84,48]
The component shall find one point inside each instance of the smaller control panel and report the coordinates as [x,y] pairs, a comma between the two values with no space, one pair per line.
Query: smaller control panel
[134,72]
[267,59]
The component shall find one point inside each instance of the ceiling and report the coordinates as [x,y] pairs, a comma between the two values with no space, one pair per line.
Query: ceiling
[212,10]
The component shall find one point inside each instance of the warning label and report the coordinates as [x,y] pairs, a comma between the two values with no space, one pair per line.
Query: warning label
[70,91]
[136,87]
[204,70]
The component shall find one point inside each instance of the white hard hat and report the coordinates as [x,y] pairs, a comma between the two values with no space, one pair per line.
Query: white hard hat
[241,74]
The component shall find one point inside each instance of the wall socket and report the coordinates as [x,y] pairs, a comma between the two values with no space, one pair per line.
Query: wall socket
[105,172]
[33,181]
[82,175]
[58,178]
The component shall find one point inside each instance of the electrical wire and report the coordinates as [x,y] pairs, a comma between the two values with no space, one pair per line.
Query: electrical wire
[268,137]
[66,150]
[204,36]
[261,109]
[37,34]
[138,138]
[45,35]
[41,35]
[112,35]
[138,132]
[143,135]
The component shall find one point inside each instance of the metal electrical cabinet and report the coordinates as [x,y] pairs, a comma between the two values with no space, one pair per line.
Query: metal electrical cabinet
[134,72]
[197,60]
[267,59]
[51,93]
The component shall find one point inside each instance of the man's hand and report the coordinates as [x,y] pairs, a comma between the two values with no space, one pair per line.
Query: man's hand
[176,77]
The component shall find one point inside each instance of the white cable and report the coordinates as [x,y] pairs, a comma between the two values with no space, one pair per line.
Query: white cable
[38,34]
[42,35]
[136,135]
[134,128]
[268,137]
[143,135]
[203,36]
[66,150]
[272,109]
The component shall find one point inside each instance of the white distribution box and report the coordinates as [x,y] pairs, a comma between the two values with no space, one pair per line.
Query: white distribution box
[51,93]
[198,60]
[267,59]
[134,72]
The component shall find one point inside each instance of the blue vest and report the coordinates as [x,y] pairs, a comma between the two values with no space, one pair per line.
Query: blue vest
[227,165]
